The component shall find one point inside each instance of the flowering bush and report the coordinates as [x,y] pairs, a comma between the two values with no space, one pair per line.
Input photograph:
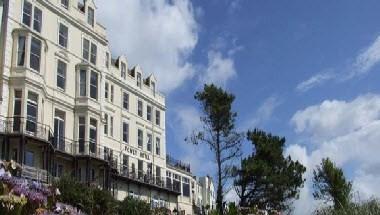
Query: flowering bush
[20,196]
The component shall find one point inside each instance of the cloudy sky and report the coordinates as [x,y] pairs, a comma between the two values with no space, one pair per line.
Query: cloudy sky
[306,70]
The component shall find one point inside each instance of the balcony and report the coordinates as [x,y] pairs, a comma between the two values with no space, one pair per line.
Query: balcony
[35,174]
[148,179]
[20,125]
[177,164]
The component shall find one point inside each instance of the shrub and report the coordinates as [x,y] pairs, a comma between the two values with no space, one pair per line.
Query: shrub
[131,206]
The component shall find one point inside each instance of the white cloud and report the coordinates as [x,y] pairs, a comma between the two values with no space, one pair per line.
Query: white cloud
[263,113]
[159,35]
[366,60]
[347,132]
[314,81]
[219,70]
[363,63]
[186,120]
[335,118]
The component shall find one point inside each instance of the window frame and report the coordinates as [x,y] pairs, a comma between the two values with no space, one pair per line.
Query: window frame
[125,136]
[63,75]
[37,20]
[94,83]
[140,138]
[21,57]
[140,108]
[125,101]
[35,55]
[63,36]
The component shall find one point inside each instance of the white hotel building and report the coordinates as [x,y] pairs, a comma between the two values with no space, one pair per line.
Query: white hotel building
[68,107]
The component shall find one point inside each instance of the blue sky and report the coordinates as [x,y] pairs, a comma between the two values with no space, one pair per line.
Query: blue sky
[306,70]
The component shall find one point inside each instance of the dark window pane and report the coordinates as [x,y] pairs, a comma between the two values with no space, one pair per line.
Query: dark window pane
[93,53]
[35,54]
[37,21]
[94,85]
[83,83]
[63,35]
[29,158]
[86,49]
[21,51]
[27,13]
[61,74]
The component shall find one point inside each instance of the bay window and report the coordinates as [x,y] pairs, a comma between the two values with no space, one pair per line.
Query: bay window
[21,51]
[94,85]
[83,83]
[32,112]
[35,54]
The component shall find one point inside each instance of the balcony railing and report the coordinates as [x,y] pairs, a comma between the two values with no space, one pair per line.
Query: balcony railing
[148,178]
[177,163]
[33,173]
[20,125]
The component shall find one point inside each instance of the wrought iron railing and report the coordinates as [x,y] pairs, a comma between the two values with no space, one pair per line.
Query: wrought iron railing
[148,178]
[21,125]
[33,173]
[177,163]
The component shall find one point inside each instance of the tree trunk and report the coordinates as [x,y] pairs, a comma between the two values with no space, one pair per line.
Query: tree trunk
[219,194]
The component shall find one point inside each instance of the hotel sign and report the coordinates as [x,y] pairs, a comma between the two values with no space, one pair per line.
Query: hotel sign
[135,152]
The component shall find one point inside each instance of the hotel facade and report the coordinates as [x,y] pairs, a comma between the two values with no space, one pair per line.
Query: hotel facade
[68,107]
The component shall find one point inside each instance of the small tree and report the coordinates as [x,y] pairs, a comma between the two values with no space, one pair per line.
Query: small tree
[218,133]
[242,181]
[330,184]
[272,180]
[131,206]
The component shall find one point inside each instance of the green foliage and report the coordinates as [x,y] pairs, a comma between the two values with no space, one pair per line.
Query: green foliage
[131,206]
[371,207]
[161,211]
[271,180]
[232,209]
[11,204]
[218,133]
[330,184]
[89,199]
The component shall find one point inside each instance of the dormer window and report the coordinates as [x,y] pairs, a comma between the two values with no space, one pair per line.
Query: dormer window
[123,70]
[138,79]
[65,4]
[153,86]
[91,16]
